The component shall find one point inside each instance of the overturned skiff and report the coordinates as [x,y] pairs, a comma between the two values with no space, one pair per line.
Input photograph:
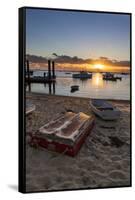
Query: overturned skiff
[104,110]
[65,134]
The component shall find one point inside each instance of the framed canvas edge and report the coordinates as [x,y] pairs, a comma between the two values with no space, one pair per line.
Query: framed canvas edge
[21,99]
[21,92]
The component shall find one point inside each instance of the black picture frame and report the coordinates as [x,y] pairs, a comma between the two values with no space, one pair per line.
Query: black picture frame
[22,94]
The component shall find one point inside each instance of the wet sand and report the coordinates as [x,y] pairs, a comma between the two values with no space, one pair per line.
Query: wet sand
[103,160]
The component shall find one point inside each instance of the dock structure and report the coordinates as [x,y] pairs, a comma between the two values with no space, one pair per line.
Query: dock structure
[50,78]
[49,69]
[39,79]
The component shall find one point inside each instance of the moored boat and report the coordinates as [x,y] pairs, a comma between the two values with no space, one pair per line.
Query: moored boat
[109,77]
[66,134]
[74,88]
[124,73]
[118,78]
[104,110]
[82,75]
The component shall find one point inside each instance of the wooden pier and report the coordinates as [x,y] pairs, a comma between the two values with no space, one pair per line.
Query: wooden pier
[50,78]
[39,79]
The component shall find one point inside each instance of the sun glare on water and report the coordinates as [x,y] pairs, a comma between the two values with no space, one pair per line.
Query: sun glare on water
[97,81]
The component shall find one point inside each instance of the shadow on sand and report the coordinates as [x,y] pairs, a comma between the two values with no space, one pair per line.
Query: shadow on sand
[13,187]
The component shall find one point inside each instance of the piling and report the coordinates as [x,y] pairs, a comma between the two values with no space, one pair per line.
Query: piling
[49,69]
[53,87]
[53,69]
[50,88]
[44,75]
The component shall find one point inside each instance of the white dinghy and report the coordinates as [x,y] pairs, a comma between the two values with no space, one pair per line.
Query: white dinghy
[104,110]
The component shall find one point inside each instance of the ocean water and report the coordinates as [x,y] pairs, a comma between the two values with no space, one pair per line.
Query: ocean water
[91,88]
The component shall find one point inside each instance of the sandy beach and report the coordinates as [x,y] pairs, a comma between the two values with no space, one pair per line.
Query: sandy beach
[103,160]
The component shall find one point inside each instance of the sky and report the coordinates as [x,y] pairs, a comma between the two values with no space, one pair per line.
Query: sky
[83,34]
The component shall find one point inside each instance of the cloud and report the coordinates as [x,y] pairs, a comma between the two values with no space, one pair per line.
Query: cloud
[122,63]
[61,59]
[69,59]
[36,59]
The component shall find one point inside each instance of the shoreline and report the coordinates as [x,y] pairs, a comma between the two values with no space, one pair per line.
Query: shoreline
[74,97]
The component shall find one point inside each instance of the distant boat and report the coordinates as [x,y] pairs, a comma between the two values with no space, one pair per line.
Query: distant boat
[124,73]
[82,75]
[109,77]
[118,77]
[104,110]
[74,88]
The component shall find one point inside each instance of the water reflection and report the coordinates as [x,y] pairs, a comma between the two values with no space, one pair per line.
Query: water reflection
[51,88]
[91,88]
[97,80]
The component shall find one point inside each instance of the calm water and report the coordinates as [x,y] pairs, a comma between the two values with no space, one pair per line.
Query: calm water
[92,88]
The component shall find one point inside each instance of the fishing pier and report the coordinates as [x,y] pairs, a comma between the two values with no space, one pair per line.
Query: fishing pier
[49,77]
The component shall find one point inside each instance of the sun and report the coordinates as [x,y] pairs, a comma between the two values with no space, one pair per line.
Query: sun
[99,66]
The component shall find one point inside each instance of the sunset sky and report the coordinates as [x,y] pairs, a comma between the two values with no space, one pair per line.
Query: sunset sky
[87,36]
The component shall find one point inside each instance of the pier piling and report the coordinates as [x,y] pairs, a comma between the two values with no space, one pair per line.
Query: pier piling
[53,69]
[49,69]
[45,78]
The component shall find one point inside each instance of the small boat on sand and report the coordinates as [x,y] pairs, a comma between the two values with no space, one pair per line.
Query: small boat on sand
[104,110]
[74,88]
[29,107]
[66,134]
